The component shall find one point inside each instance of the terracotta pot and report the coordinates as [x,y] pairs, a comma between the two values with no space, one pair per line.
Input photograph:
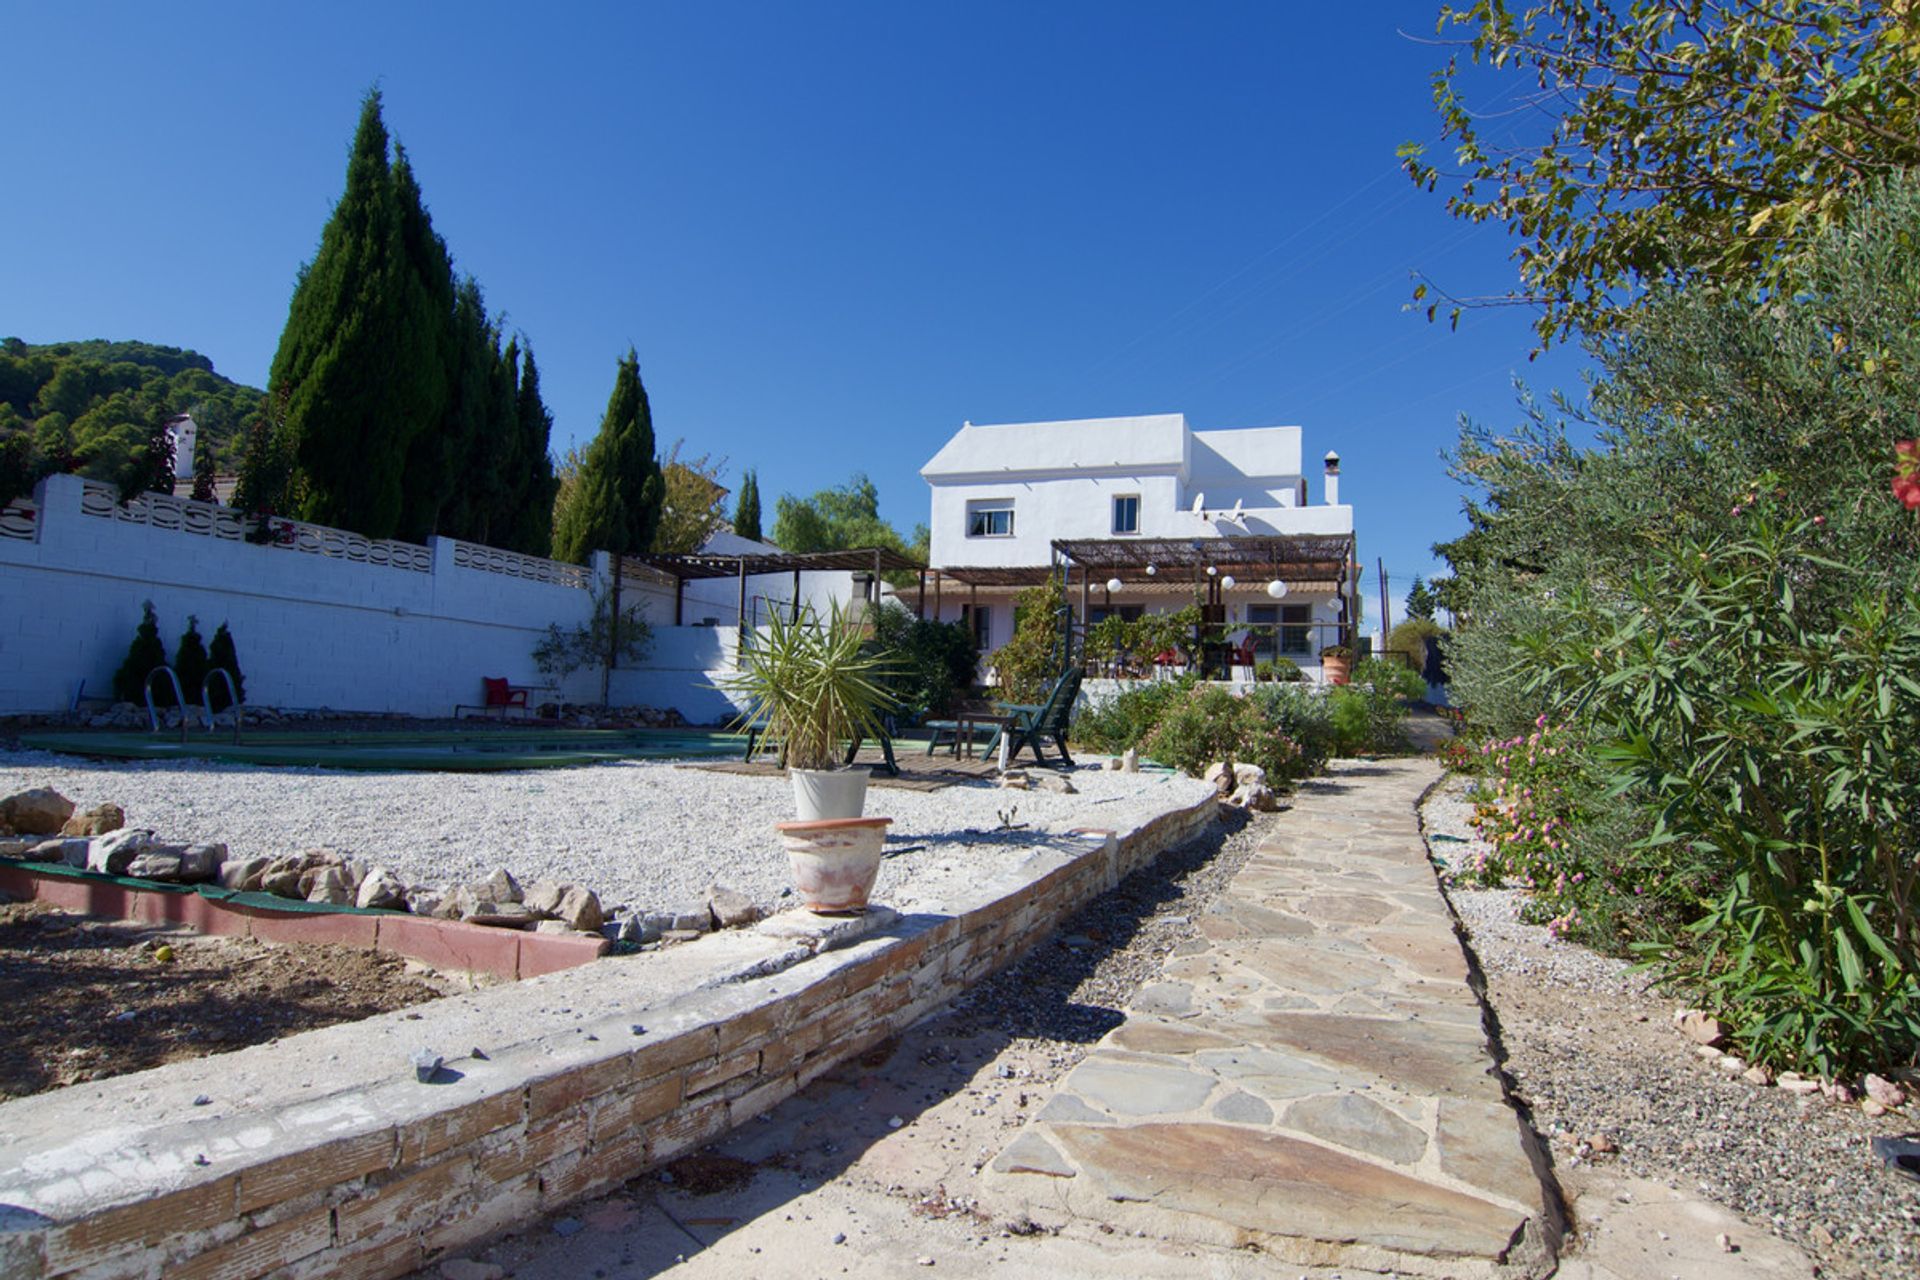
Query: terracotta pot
[835,862]
[822,794]
[1337,670]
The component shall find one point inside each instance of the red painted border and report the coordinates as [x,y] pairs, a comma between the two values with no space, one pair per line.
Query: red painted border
[444,944]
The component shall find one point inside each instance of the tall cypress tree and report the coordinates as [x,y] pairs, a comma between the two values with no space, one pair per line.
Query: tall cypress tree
[616,505]
[362,358]
[437,452]
[746,511]
[452,475]
[535,484]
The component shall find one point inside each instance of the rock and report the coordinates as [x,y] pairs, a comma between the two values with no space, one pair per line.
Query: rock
[71,851]
[580,908]
[329,885]
[1702,1029]
[1837,1092]
[1726,1243]
[551,926]
[1058,783]
[1733,1064]
[201,863]
[1884,1091]
[696,917]
[543,899]
[1130,762]
[423,901]
[110,854]
[37,811]
[1257,796]
[1602,1144]
[97,821]
[156,862]
[502,915]
[1707,1051]
[381,890]
[1757,1074]
[1871,1108]
[282,881]
[1248,775]
[731,908]
[1220,774]
[636,929]
[243,874]
[1013,780]
[1790,1083]
[499,887]
[18,846]
[426,1064]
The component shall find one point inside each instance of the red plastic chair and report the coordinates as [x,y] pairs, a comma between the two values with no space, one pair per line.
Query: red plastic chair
[502,694]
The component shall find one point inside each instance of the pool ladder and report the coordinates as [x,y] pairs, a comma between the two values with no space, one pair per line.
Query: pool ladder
[206,699]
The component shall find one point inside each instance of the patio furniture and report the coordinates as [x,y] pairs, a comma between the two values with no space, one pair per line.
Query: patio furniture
[497,696]
[1033,724]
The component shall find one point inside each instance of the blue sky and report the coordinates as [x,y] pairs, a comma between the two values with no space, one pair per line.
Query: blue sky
[832,231]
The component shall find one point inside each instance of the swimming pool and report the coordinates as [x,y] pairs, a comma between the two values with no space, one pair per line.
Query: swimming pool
[459,751]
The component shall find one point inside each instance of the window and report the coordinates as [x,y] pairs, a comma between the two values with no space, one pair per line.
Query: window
[1296,630]
[990,518]
[1125,612]
[978,620]
[1126,513]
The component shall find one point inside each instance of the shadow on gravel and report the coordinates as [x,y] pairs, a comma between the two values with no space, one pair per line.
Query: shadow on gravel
[1066,993]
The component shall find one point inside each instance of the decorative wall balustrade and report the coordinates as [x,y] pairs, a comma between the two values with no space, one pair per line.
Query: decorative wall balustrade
[208,519]
[19,519]
[472,555]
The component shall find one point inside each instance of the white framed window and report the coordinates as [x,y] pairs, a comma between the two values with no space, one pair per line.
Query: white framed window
[979,620]
[1126,513]
[990,518]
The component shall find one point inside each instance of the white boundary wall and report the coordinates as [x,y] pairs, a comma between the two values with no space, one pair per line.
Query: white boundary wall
[325,618]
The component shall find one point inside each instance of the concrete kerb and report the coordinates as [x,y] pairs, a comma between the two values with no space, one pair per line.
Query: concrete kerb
[322,1154]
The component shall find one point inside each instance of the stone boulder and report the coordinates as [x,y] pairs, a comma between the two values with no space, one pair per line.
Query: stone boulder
[68,850]
[1702,1029]
[580,908]
[243,874]
[1220,774]
[158,862]
[543,898]
[731,908]
[499,887]
[424,900]
[97,821]
[1257,796]
[381,890]
[37,811]
[329,885]
[1248,775]
[202,862]
[282,878]
[110,854]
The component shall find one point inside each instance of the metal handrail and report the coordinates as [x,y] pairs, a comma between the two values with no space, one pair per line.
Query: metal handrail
[233,699]
[179,700]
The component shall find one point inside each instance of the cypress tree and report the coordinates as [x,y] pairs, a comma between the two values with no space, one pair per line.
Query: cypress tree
[447,469]
[535,485]
[746,511]
[143,655]
[203,473]
[440,443]
[221,654]
[190,660]
[361,358]
[616,505]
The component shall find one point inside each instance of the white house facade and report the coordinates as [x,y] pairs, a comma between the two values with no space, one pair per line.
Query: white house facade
[1144,514]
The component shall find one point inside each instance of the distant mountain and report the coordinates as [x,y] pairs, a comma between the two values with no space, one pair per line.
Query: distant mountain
[97,402]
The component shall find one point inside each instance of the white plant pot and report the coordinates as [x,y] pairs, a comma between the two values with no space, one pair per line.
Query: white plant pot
[835,862]
[820,795]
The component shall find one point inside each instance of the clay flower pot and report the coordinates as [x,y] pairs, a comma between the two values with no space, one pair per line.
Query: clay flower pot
[1337,668]
[835,862]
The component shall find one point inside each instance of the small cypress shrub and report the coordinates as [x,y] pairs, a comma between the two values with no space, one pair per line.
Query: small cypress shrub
[190,660]
[143,655]
[222,654]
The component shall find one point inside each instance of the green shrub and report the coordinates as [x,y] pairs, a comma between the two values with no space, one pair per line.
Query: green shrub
[221,654]
[1206,724]
[190,661]
[1278,671]
[1028,664]
[1123,721]
[933,662]
[1304,715]
[1391,678]
[143,655]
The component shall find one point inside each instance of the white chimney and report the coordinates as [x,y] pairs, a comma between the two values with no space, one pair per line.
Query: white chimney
[1333,478]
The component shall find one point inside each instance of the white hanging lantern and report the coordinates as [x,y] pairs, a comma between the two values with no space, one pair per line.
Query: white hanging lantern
[1151,571]
[1212,572]
[1114,584]
[1277,589]
[1227,583]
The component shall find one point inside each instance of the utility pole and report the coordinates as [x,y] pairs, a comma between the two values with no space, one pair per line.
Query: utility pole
[1386,616]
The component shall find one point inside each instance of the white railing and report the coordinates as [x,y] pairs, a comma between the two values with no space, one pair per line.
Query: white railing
[208,519]
[472,555]
[19,519]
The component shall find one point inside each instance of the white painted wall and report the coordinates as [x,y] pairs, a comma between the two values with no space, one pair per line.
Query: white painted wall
[317,630]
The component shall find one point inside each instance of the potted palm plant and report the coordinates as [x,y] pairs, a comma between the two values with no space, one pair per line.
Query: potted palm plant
[814,684]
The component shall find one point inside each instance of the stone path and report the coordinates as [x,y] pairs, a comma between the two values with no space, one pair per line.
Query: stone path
[1312,1076]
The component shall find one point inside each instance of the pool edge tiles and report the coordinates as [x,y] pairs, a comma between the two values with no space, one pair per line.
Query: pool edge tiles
[482,751]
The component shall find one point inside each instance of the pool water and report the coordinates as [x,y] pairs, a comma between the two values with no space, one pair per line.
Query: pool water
[476,751]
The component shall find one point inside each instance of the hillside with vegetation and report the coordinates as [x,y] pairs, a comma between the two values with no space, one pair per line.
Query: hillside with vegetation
[95,406]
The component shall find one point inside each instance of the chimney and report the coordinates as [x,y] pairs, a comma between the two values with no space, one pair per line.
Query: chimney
[1333,478]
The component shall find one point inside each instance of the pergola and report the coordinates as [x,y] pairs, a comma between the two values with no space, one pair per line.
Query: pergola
[1304,561]
[701,565]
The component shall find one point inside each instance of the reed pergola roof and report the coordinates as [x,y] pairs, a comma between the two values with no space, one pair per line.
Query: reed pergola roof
[1299,559]
[693,565]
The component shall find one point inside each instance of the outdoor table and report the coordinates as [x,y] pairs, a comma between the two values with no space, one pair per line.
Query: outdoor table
[967,721]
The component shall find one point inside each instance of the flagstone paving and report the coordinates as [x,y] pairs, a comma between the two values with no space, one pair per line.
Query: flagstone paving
[1311,1075]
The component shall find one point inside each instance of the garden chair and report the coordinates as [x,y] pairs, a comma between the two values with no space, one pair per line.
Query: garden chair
[1033,724]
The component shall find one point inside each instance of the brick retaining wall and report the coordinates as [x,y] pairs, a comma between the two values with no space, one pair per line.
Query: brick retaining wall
[322,1156]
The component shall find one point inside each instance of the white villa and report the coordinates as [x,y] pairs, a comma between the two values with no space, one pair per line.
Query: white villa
[1143,514]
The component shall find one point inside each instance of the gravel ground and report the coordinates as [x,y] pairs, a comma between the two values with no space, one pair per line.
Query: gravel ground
[649,835]
[1593,1052]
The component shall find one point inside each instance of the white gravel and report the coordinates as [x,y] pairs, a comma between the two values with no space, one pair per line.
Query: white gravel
[649,835]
